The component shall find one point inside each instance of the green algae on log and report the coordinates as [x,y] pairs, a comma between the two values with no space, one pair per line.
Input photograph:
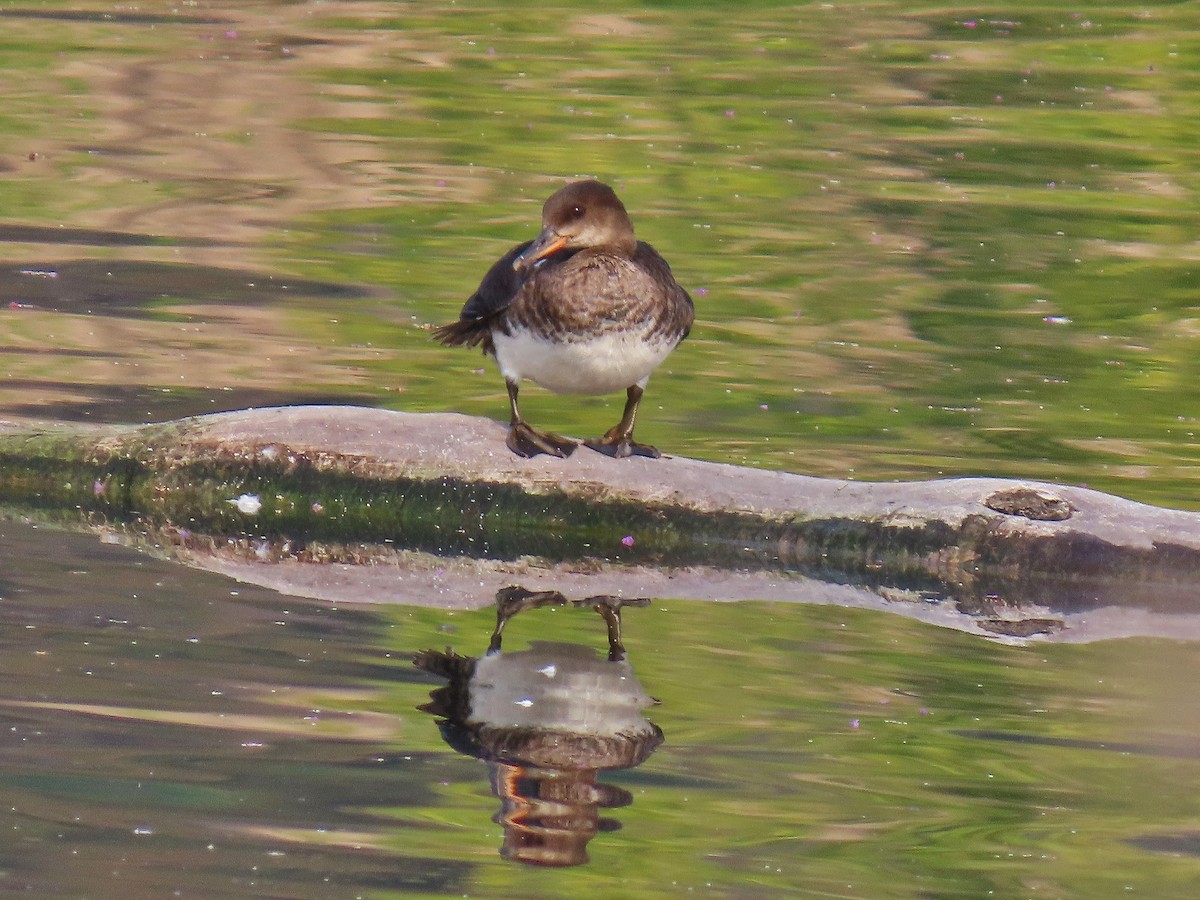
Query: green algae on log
[349,484]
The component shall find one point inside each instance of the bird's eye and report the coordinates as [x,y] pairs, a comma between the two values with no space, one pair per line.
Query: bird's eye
[576,212]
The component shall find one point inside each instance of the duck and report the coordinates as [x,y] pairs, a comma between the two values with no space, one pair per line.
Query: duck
[583,308]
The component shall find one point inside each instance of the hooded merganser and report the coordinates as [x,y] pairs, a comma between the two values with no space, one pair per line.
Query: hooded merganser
[583,308]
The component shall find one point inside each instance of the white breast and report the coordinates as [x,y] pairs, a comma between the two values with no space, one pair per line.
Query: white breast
[597,365]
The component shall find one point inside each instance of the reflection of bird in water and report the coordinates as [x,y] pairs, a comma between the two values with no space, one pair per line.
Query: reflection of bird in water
[584,308]
[547,720]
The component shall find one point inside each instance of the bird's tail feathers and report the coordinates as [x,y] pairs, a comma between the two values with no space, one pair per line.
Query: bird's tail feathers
[463,333]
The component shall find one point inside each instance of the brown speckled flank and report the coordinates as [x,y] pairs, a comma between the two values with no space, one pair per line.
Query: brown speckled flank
[583,308]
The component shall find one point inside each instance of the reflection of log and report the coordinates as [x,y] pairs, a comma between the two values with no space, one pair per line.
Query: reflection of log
[346,484]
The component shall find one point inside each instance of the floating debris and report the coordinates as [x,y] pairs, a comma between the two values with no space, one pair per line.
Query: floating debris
[247,504]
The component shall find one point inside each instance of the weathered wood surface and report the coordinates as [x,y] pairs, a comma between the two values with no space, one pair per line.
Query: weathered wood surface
[445,514]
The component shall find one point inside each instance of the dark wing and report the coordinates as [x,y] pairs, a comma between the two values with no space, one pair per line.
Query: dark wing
[680,311]
[497,290]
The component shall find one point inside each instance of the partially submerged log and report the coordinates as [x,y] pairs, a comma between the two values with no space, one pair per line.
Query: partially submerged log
[446,513]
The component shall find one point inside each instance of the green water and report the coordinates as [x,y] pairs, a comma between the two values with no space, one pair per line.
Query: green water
[167,731]
[922,239]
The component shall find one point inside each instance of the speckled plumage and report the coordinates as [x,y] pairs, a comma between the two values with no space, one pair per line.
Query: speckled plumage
[584,308]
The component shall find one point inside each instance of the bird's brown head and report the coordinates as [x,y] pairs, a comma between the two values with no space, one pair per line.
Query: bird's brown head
[581,216]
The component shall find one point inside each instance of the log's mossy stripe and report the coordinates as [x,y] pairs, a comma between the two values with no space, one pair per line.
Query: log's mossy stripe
[155,479]
[444,515]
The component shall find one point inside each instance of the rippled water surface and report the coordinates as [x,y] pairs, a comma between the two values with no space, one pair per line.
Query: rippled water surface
[171,733]
[922,239]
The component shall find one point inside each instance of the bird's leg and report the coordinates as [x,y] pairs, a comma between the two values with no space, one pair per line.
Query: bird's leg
[609,608]
[525,440]
[618,441]
[516,599]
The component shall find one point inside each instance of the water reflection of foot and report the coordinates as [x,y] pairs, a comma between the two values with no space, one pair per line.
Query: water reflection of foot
[515,599]
[547,720]
[609,608]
